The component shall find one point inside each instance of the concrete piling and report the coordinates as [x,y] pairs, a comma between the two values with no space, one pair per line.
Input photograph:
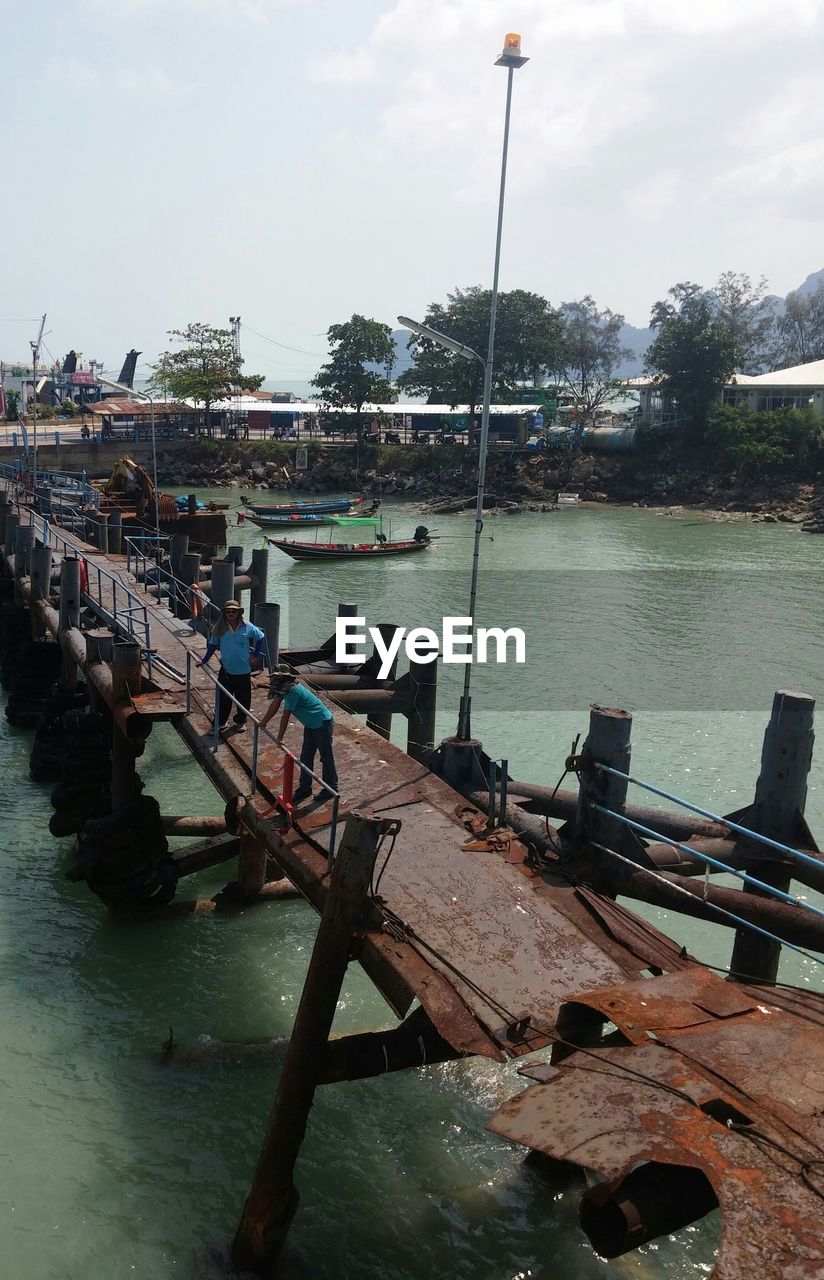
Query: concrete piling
[777,812]
[114,523]
[267,617]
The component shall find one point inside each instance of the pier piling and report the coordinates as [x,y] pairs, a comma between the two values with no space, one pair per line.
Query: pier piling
[259,572]
[777,812]
[608,742]
[267,617]
[273,1199]
[69,616]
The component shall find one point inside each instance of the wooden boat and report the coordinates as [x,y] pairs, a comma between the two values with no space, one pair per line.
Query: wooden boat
[567,499]
[289,522]
[348,551]
[323,507]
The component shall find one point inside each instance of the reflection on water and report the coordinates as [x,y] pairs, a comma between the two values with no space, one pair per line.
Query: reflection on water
[117,1165]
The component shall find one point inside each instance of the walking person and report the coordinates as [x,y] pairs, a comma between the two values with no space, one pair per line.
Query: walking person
[318,725]
[235,639]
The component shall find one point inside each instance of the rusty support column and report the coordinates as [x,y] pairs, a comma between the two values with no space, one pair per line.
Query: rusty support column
[420,728]
[114,522]
[69,616]
[273,1200]
[267,617]
[780,795]
[22,557]
[99,644]
[189,573]
[40,579]
[381,721]
[251,867]
[259,570]
[178,548]
[235,554]
[12,525]
[5,512]
[223,583]
[127,678]
[607,743]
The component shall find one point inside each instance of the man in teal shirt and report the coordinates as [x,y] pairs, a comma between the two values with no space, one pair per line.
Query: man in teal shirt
[235,639]
[318,724]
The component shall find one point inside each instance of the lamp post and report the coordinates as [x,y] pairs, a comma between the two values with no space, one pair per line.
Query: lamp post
[144,395]
[35,356]
[512,59]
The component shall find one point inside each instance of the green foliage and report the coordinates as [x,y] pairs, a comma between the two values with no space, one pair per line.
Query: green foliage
[800,330]
[590,352]
[69,407]
[204,368]
[359,369]
[693,354]
[760,444]
[527,343]
[742,306]
[12,405]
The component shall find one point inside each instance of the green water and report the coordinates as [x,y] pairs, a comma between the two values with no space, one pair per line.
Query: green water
[116,1166]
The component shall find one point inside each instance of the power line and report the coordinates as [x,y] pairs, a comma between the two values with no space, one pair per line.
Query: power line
[300,350]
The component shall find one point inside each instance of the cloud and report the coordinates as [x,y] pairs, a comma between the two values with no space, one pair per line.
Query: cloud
[790,181]
[355,67]
[651,198]
[86,78]
[259,12]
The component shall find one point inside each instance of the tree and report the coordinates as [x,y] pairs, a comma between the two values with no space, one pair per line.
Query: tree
[527,341]
[12,405]
[759,443]
[742,306]
[206,368]
[693,353]
[800,330]
[590,352]
[347,381]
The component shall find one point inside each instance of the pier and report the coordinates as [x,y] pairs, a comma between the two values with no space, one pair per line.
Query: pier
[488,929]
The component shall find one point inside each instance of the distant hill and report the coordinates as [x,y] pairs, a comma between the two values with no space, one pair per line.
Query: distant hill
[637,340]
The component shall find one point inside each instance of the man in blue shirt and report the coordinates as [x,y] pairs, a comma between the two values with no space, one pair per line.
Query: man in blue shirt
[318,724]
[235,638]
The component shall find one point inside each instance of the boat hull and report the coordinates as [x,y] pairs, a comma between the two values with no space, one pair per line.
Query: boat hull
[340,551]
[326,507]
[289,522]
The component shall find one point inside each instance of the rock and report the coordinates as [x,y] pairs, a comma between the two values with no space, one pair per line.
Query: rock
[768,518]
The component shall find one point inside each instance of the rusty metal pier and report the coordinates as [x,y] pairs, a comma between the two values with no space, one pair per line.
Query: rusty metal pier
[487,930]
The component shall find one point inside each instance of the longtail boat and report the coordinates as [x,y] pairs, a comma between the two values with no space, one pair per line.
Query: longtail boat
[323,507]
[289,522]
[348,551]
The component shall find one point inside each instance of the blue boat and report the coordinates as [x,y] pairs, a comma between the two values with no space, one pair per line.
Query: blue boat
[325,507]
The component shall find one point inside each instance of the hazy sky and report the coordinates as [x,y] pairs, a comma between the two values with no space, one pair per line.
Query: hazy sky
[295,161]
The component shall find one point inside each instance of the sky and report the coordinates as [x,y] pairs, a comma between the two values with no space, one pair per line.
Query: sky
[295,161]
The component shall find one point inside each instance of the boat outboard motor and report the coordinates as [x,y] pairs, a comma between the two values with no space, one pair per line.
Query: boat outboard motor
[421,534]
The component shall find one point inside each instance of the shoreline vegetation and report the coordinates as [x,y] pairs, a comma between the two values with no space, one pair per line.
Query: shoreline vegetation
[444,478]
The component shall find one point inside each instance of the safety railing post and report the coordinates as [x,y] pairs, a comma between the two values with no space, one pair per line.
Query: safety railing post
[188,682]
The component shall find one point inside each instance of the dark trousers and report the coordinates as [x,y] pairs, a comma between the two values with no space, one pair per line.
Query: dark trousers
[314,741]
[241,688]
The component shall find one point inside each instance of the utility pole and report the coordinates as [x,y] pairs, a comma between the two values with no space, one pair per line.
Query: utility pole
[234,321]
[35,356]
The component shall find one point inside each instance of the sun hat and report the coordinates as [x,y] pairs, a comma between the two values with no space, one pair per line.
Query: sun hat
[233,604]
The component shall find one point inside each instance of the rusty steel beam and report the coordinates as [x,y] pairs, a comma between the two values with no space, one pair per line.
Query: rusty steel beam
[677,893]
[563,805]
[183,826]
[738,854]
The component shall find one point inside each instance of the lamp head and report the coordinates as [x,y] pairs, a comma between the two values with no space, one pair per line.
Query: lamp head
[442,340]
[511,55]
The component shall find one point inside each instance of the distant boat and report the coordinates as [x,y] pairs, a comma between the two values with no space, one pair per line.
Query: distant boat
[567,499]
[323,507]
[347,551]
[290,522]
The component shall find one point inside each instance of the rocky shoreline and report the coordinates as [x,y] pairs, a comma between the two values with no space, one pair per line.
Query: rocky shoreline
[443,479]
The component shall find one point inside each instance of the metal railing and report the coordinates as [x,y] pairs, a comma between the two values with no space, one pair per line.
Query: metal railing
[132,615]
[285,800]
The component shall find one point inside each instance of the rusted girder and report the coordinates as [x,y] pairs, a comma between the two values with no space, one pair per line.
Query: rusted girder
[677,893]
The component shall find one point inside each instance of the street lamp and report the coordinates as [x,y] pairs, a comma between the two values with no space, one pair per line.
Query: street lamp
[512,59]
[143,395]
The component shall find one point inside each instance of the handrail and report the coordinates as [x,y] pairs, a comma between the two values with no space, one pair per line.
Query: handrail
[50,537]
[258,729]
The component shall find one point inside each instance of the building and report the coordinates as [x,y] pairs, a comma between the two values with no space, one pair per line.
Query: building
[799,387]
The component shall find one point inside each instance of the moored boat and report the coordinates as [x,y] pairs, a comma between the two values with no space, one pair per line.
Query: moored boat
[289,522]
[323,507]
[370,551]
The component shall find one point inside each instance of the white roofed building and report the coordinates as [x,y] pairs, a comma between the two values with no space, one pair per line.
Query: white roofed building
[797,387]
